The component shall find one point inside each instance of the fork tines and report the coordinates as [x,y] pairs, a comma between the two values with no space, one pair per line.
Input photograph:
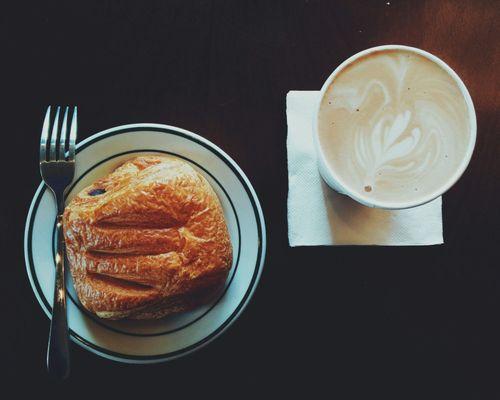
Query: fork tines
[62,145]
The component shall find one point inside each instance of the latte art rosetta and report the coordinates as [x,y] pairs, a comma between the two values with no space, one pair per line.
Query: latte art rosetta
[393,125]
[385,153]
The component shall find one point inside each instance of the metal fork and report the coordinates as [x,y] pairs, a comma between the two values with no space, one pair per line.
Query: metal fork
[57,168]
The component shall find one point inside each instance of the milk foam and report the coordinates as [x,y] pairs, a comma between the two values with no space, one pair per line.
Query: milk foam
[394,126]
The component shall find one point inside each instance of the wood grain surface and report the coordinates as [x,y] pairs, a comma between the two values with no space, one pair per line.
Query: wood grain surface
[351,322]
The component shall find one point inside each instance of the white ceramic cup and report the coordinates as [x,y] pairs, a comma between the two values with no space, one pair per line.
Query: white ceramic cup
[330,176]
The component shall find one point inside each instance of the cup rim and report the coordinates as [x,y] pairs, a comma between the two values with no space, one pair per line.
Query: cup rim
[332,176]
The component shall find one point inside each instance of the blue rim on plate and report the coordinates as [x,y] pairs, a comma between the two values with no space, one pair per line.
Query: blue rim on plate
[257,211]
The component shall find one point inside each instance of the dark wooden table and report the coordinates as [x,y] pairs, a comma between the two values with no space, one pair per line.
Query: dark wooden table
[358,322]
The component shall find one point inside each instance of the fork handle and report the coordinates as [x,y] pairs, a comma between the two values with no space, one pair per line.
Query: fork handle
[58,360]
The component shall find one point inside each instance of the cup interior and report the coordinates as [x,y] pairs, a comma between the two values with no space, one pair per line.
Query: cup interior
[336,182]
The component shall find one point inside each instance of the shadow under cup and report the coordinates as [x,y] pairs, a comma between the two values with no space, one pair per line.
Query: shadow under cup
[442,179]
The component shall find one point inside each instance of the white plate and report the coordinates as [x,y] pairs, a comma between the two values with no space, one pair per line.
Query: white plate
[170,337]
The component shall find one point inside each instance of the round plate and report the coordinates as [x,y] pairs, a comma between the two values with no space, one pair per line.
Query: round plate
[174,336]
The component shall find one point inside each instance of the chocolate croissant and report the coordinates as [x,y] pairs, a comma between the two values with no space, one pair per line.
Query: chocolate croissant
[148,240]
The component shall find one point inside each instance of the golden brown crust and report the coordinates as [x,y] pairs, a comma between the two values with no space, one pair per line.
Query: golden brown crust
[148,240]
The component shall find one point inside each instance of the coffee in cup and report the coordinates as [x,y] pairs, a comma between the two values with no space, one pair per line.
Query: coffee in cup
[395,127]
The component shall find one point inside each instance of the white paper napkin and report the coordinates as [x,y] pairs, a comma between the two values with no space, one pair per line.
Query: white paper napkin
[317,215]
